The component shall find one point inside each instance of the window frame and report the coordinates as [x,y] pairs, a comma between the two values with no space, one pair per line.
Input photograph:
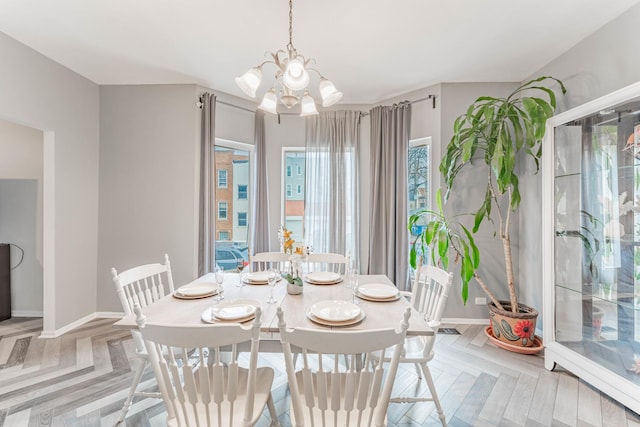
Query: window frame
[246,219]
[246,192]
[226,178]
[226,210]
[428,142]
[283,193]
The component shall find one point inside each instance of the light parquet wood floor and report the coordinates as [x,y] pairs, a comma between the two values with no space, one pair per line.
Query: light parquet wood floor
[81,379]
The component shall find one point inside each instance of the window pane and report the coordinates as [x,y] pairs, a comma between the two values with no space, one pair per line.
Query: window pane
[294,202]
[232,200]
[418,184]
[242,192]
[242,219]
[222,178]
[222,210]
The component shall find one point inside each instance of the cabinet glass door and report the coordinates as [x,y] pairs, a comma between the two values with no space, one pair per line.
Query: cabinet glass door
[597,237]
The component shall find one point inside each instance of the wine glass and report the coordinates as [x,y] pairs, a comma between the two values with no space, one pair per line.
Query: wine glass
[354,283]
[219,275]
[242,274]
[272,278]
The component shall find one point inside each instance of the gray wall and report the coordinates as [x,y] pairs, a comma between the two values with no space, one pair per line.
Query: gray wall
[600,64]
[40,93]
[148,178]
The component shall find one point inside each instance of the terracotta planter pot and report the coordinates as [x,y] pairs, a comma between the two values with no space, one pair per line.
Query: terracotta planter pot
[517,329]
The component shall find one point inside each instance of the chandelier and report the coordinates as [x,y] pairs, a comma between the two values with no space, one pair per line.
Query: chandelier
[291,80]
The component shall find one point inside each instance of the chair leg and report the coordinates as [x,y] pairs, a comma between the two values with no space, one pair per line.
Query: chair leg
[418,371]
[272,412]
[142,365]
[434,394]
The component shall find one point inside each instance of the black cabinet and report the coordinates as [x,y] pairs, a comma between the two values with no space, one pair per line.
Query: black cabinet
[5,282]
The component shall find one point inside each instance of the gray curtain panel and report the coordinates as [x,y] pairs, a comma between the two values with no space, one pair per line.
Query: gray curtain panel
[332,211]
[206,254]
[389,247]
[259,225]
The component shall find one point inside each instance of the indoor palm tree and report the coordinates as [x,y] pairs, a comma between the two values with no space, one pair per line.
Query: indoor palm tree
[490,135]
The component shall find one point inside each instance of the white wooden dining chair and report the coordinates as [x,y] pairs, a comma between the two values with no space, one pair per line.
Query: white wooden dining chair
[324,393]
[141,285]
[264,260]
[327,261]
[202,390]
[428,296]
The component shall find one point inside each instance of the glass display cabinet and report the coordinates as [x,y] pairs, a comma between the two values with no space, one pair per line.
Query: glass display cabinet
[591,246]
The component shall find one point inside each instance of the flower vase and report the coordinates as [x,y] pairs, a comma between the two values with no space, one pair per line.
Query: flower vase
[294,289]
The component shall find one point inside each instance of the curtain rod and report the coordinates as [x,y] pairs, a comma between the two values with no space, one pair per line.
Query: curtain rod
[363,113]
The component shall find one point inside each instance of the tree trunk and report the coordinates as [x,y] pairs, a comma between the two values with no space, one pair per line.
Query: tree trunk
[486,290]
[506,244]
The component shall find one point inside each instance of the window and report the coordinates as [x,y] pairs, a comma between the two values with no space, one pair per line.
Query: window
[419,180]
[222,178]
[232,167]
[222,210]
[242,192]
[242,219]
[293,201]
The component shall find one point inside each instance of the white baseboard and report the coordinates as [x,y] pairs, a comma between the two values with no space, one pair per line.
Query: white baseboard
[26,313]
[464,321]
[56,333]
[109,314]
[80,322]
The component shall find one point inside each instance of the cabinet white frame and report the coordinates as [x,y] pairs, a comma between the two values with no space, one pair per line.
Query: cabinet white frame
[619,388]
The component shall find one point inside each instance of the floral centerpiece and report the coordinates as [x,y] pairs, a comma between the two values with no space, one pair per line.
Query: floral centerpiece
[293,274]
[286,242]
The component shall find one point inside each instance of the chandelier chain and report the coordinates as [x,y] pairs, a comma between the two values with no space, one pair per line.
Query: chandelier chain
[291,24]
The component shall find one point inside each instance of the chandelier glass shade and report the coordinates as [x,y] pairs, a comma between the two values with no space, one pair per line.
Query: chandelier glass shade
[291,80]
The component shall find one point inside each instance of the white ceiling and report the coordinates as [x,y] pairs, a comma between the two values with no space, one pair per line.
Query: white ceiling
[371,49]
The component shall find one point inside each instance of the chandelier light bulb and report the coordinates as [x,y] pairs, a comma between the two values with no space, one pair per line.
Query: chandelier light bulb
[307,106]
[295,76]
[330,95]
[269,102]
[250,81]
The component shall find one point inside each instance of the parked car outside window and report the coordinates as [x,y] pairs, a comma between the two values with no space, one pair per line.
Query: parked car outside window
[228,258]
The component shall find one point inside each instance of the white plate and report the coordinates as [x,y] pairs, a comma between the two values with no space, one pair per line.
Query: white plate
[394,298]
[197,290]
[335,310]
[349,322]
[259,278]
[208,317]
[377,290]
[234,311]
[324,277]
[238,309]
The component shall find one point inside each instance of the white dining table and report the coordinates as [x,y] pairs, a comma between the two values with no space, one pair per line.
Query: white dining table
[378,315]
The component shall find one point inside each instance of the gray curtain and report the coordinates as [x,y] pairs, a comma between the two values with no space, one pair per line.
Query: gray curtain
[206,254]
[389,238]
[260,235]
[331,212]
